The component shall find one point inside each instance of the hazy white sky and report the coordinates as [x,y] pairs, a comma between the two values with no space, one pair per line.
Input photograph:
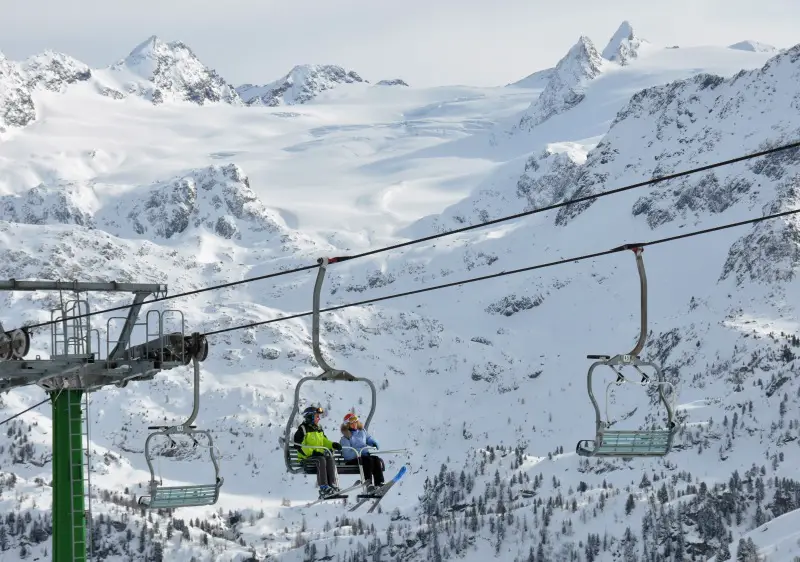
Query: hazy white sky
[425,42]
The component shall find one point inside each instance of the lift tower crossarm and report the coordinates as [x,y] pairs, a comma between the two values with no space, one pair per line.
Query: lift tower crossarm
[78,286]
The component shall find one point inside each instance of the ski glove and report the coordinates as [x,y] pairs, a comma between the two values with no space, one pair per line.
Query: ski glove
[376,444]
[336,446]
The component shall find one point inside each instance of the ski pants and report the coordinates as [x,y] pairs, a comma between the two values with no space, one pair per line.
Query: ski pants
[372,467]
[326,469]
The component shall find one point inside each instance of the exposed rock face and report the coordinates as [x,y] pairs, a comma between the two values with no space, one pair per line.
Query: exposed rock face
[218,198]
[16,103]
[54,71]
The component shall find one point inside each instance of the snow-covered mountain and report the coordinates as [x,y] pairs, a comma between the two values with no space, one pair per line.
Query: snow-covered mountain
[581,62]
[483,383]
[154,70]
[302,84]
[753,46]
[624,45]
[566,84]
[392,82]
[162,72]
[54,71]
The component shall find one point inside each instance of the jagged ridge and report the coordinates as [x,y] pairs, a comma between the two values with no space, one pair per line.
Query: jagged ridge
[566,84]
[302,84]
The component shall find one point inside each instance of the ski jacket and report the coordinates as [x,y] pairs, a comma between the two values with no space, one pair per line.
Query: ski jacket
[357,440]
[310,435]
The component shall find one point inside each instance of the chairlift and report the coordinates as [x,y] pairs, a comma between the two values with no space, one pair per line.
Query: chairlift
[628,443]
[171,497]
[290,449]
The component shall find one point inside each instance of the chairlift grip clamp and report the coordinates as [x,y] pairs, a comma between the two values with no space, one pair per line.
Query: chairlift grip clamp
[336,259]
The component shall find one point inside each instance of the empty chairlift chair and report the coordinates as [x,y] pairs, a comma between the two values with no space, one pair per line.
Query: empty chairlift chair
[627,443]
[170,497]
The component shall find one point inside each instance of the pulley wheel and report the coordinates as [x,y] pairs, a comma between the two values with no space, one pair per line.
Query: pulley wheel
[20,343]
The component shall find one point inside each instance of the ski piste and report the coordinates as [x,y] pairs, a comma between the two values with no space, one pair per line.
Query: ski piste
[381,493]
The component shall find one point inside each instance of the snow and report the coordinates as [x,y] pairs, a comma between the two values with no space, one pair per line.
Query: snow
[193,194]
[754,46]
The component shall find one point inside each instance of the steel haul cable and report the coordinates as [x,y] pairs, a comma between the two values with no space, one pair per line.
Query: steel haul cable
[513,271]
[652,181]
[485,277]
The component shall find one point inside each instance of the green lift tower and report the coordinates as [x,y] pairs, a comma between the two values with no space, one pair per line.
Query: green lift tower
[77,366]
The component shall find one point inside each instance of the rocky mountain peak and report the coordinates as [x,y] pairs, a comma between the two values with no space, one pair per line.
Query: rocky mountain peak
[302,84]
[171,71]
[566,84]
[624,45]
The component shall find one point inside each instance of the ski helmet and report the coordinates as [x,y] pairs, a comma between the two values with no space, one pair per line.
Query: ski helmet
[311,411]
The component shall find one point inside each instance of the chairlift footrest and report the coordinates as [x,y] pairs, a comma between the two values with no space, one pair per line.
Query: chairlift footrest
[156,427]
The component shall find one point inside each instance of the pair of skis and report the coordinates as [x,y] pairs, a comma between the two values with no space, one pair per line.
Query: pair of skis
[342,495]
[379,494]
[364,498]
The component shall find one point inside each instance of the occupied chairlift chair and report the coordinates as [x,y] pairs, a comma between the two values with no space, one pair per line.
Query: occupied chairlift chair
[630,443]
[293,464]
[170,497]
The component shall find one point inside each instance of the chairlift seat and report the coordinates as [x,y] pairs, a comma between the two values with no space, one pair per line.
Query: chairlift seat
[171,497]
[298,465]
[628,443]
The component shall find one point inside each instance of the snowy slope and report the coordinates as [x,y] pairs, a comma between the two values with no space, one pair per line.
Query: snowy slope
[485,382]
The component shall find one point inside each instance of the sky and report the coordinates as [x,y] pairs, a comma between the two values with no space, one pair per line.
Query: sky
[425,42]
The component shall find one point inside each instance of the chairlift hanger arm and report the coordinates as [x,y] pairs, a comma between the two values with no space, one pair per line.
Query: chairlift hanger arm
[323,266]
[638,249]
